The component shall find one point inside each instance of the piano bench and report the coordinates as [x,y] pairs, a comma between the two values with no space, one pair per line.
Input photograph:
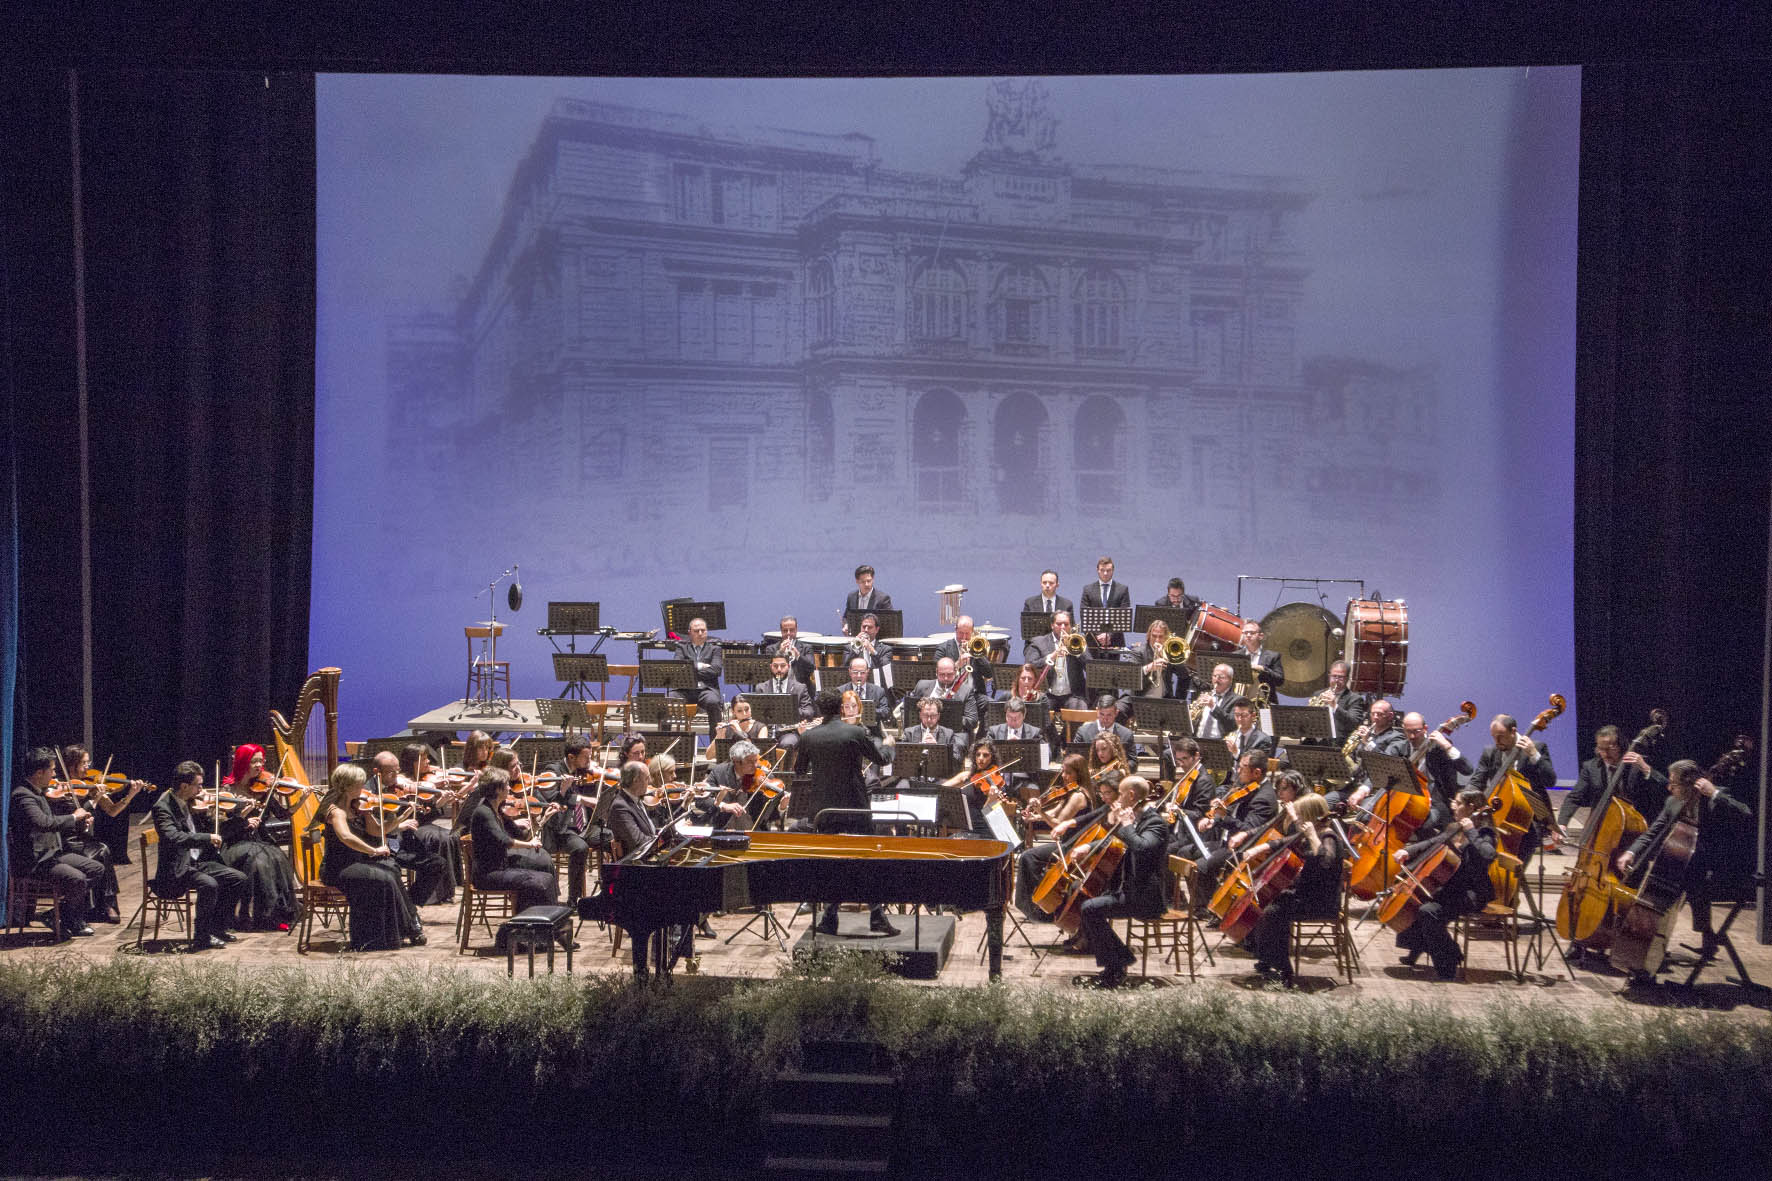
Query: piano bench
[537,927]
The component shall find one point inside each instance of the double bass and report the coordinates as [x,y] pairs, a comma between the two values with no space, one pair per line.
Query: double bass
[1590,894]
[1510,803]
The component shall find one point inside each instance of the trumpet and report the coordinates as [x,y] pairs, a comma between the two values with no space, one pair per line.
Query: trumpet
[788,649]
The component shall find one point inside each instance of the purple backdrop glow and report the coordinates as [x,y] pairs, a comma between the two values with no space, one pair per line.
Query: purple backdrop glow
[729,338]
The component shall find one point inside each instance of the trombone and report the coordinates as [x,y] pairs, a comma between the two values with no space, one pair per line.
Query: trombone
[1174,651]
[977,648]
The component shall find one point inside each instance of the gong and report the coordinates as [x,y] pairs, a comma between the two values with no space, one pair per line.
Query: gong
[1304,636]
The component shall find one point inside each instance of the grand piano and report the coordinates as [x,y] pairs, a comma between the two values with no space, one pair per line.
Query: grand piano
[659,887]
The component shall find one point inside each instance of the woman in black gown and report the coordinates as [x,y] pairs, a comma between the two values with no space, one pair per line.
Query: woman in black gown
[268,903]
[501,861]
[1314,894]
[359,862]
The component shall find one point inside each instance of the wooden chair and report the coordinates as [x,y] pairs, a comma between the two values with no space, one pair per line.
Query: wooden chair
[23,895]
[484,905]
[484,672]
[1074,718]
[183,908]
[1498,918]
[314,899]
[1328,934]
[1175,930]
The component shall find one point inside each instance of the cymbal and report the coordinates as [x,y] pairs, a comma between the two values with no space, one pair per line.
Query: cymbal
[1304,636]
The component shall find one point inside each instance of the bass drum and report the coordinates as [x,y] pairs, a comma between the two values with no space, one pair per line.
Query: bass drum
[1304,636]
[1376,646]
[1214,630]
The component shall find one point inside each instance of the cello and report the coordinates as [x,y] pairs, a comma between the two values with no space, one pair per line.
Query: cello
[1279,870]
[1589,894]
[1395,818]
[1418,883]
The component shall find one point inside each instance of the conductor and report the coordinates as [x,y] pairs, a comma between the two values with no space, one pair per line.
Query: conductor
[833,753]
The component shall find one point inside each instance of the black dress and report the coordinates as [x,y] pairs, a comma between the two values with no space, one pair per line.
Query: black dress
[499,866]
[381,913]
[1315,894]
[269,899]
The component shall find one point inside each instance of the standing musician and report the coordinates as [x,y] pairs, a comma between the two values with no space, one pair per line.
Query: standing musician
[358,862]
[191,860]
[39,847]
[1466,892]
[1635,781]
[1349,709]
[948,685]
[1228,827]
[1064,671]
[1247,737]
[572,829]
[1105,592]
[705,656]
[1431,752]
[866,690]
[864,597]
[832,754]
[1532,761]
[501,861]
[1049,819]
[1048,600]
[632,829]
[1269,669]
[1691,797]
[1161,679]
[422,844]
[110,812]
[1176,596]
[1107,722]
[1315,894]
[1139,894]
[800,664]
[974,670]
[1210,708]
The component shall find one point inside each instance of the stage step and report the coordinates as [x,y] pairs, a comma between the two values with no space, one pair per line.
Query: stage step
[835,1115]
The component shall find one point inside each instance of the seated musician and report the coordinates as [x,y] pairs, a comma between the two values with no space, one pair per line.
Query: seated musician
[1104,592]
[1064,672]
[1315,894]
[1108,762]
[1176,596]
[103,814]
[1048,600]
[973,670]
[1694,798]
[1350,709]
[1227,827]
[868,646]
[739,724]
[190,859]
[1247,736]
[436,810]
[781,680]
[864,597]
[359,862]
[1161,679]
[1210,708]
[1269,669]
[929,730]
[269,901]
[572,829]
[1139,893]
[866,690]
[665,797]
[1627,772]
[739,799]
[39,846]
[1014,726]
[633,829]
[705,656]
[1178,761]
[948,685]
[1107,712]
[800,663]
[1467,892]
[1510,748]
[501,861]
[476,749]
[1049,819]
[109,806]
[977,783]
[421,845]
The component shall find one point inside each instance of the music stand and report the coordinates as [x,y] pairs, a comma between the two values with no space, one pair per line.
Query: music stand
[1037,714]
[922,760]
[1215,756]
[906,673]
[891,622]
[563,713]
[952,812]
[668,674]
[680,744]
[1121,675]
[774,709]
[1036,623]
[678,613]
[1241,674]
[1003,677]
[1301,721]
[746,668]
[1178,618]
[1104,619]
[574,619]
[579,671]
[1028,755]
[1319,764]
[660,710]
[536,752]
[1159,714]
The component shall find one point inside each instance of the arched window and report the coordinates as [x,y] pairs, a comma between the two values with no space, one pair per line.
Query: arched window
[938,304]
[1099,452]
[1018,469]
[1018,308]
[821,303]
[1098,309]
[936,424]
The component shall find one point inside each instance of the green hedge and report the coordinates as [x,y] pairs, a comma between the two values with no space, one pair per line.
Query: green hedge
[306,1068]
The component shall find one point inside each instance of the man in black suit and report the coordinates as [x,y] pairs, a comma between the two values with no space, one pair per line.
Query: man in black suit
[737,803]
[1105,592]
[930,732]
[191,860]
[1236,827]
[1269,669]
[704,655]
[864,597]
[1014,727]
[1176,596]
[1383,737]
[800,663]
[1247,736]
[1064,679]
[974,670]
[632,828]
[833,754]
[1626,772]
[867,690]
[1214,705]
[868,645]
[573,829]
[781,680]
[1048,600]
[1140,890]
[1350,709]
[1432,753]
[948,685]
[1694,797]
[1107,722]
[1196,788]
[1533,762]
[1467,891]
[38,846]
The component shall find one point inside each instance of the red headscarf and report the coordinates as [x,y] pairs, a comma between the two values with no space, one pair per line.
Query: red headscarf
[243,755]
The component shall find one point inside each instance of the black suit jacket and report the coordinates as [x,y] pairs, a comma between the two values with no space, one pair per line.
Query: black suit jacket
[1709,814]
[833,754]
[802,668]
[708,661]
[1143,869]
[628,823]
[1119,595]
[1253,812]
[1258,740]
[1188,602]
[1442,772]
[979,677]
[1646,793]
[1025,733]
[179,835]
[801,695]
[1089,731]
[1059,603]
[1351,710]
[1270,670]
[1173,679]
[879,602]
[1220,712]
[916,736]
[35,833]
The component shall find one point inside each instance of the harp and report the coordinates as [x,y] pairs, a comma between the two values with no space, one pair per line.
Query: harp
[305,750]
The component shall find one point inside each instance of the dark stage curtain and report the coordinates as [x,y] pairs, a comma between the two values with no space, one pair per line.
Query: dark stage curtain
[198,224]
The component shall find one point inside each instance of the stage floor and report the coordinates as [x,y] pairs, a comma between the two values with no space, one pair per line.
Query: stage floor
[1381,975]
